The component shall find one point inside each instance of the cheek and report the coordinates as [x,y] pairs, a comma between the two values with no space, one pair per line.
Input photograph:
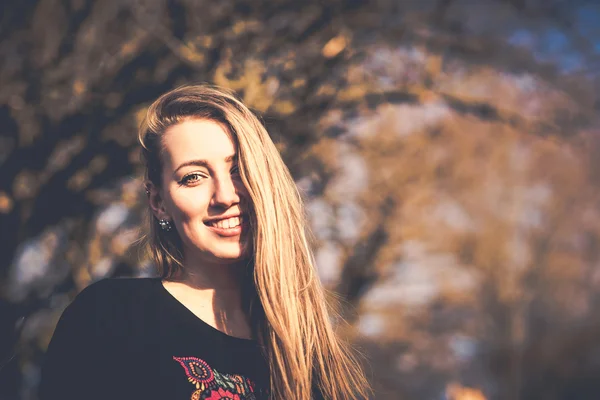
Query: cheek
[188,204]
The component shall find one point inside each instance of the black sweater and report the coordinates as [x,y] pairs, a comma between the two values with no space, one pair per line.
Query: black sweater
[131,339]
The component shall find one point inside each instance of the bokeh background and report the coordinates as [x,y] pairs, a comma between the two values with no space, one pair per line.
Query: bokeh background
[448,151]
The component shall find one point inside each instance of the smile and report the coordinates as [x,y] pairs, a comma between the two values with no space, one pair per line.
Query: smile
[226,227]
[228,223]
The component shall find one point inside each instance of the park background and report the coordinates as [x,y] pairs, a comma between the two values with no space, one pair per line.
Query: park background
[448,152]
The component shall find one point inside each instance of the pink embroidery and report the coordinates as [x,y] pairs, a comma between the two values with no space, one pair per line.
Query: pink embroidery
[213,385]
[198,371]
[223,394]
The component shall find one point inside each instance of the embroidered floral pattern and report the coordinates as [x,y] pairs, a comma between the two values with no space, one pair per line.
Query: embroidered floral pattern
[198,371]
[213,385]
[222,394]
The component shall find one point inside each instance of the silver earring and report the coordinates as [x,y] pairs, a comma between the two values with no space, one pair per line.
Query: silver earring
[165,225]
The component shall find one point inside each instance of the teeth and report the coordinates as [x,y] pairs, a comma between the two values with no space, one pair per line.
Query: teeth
[227,223]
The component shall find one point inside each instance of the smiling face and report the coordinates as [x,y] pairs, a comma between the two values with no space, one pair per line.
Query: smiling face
[202,193]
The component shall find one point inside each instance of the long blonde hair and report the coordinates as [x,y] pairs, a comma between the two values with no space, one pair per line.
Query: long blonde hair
[290,318]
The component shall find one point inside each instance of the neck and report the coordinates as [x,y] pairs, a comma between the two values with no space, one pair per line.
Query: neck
[219,285]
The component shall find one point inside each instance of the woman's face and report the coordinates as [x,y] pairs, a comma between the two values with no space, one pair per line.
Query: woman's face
[202,193]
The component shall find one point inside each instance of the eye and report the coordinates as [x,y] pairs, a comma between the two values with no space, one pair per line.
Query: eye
[235,170]
[190,179]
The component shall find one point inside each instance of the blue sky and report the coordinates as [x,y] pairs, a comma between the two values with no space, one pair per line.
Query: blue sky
[553,44]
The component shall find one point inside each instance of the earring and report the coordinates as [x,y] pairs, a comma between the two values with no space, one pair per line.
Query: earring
[165,225]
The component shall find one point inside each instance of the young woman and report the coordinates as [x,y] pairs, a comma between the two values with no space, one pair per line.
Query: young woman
[238,312]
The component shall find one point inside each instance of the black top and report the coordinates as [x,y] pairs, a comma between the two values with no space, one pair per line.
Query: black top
[131,339]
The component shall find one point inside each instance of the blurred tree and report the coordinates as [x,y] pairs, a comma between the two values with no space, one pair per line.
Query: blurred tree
[447,151]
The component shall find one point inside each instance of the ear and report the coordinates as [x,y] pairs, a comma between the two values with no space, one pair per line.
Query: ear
[155,201]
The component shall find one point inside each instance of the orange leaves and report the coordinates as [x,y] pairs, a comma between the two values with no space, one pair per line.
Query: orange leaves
[78,87]
[260,92]
[456,391]
[335,46]
[191,54]
[6,203]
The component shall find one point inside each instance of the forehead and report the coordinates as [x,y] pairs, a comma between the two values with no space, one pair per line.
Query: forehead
[195,139]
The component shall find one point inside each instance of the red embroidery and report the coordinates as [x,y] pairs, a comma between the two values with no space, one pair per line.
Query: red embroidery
[222,394]
[197,371]
[213,385]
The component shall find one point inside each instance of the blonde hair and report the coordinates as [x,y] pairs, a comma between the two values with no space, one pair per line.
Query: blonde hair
[291,318]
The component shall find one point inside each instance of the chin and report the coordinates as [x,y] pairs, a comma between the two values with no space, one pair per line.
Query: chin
[220,253]
[228,256]
[232,251]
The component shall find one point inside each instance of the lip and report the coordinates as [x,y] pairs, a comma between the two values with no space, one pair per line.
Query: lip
[226,232]
[213,219]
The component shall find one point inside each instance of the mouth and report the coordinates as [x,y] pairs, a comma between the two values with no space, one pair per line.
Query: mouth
[228,227]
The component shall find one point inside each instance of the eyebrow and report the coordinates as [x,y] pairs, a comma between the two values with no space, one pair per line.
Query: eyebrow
[204,163]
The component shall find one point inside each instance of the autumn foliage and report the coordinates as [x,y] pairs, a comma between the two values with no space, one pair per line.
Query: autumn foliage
[447,151]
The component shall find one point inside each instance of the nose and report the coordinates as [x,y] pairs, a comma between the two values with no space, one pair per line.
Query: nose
[225,193]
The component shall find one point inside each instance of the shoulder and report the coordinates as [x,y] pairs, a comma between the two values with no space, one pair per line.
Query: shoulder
[110,287]
[109,296]
[91,330]
[107,308]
